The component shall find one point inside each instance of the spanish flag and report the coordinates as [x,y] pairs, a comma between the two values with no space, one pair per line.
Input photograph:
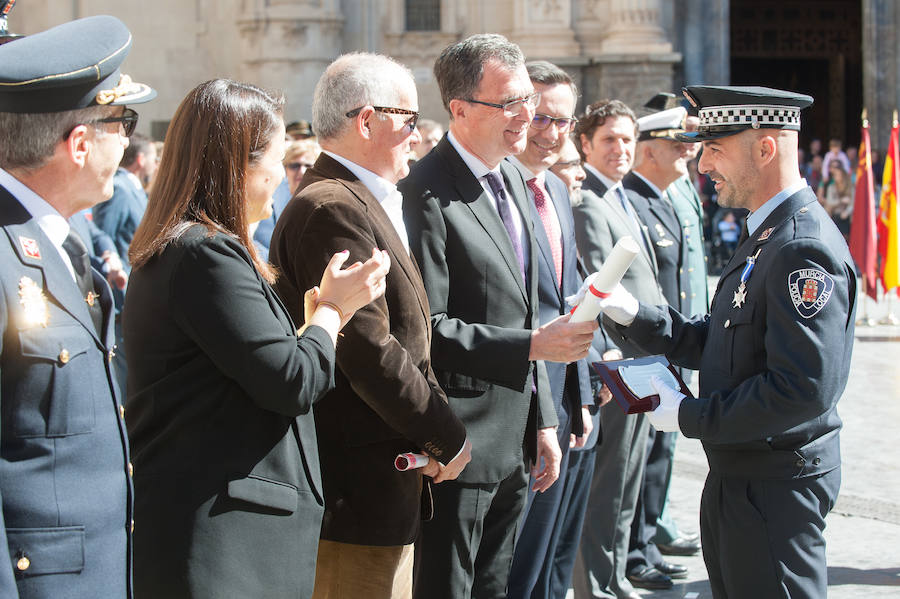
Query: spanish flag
[888,240]
[862,224]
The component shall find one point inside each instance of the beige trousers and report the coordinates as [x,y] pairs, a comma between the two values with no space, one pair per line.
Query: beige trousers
[346,571]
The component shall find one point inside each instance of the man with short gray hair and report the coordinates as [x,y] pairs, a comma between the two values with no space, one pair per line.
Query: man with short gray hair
[65,479]
[386,400]
[471,230]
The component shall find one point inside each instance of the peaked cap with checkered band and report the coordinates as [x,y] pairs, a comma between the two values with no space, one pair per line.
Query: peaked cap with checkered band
[727,110]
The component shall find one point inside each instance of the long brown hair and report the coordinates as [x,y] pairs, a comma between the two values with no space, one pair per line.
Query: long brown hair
[219,129]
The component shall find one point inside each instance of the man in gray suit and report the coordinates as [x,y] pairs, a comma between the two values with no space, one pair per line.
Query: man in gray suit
[606,135]
[689,209]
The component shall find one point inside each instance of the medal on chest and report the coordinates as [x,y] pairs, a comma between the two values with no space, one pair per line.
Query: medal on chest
[740,294]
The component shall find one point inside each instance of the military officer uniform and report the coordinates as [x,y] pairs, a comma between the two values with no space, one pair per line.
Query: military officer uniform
[65,476]
[774,356]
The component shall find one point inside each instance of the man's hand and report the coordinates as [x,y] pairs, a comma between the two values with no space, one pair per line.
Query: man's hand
[587,424]
[546,464]
[562,341]
[665,417]
[115,272]
[604,396]
[439,473]
[620,306]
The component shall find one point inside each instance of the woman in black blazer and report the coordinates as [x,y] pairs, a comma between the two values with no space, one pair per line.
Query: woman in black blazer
[228,497]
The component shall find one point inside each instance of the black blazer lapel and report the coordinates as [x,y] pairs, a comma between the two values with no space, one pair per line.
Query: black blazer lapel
[483,208]
[593,183]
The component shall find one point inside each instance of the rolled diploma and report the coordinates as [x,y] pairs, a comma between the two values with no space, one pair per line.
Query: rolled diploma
[410,461]
[605,280]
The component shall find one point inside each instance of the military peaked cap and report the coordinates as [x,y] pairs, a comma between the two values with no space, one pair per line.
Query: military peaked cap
[727,110]
[74,65]
[665,124]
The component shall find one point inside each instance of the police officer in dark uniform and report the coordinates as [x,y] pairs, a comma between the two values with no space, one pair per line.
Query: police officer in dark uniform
[65,486]
[773,354]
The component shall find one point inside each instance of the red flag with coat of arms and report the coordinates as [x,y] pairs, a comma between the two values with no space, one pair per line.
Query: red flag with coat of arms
[862,225]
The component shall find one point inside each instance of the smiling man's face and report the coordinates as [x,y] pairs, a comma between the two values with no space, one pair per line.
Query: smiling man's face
[544,145]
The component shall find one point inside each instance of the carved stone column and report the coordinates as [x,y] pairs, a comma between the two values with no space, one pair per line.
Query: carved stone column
[630,57]
[634,28]
[286,45]
[542,28]
[881,66]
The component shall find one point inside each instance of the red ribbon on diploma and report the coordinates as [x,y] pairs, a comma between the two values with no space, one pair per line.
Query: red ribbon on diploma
[593,291]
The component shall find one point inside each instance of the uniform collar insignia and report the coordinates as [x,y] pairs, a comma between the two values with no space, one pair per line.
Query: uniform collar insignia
[30,247]
[765,234]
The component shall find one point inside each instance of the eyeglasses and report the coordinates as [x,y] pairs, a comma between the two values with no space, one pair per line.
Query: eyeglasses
[542,121]
[295,166]
[410,122]
[129,120]
[568,163]
[513,107]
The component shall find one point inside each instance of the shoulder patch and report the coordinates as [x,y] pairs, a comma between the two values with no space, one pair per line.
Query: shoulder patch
[810,289]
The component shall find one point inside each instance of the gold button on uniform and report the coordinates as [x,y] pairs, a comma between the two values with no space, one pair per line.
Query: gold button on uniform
[130,469]
[64,356]
[110,355]
[122,411]
[683,295]
[132,526]
[727,323]
[23,564]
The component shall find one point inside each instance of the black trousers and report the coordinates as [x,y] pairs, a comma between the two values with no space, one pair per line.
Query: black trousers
[763,538]
[642,551]
[466,550]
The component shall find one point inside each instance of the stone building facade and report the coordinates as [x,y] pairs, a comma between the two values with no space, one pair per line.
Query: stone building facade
[628,49]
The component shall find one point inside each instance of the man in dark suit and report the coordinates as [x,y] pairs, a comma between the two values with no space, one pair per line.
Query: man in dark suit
[773,353]
[101,250]
[65,484]
[386,399]
[119,218]
[606,137]
[470,227]
[534,566]
[659,161]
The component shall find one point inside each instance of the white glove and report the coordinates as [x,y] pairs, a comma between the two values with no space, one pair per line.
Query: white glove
[665,417]
[621,306]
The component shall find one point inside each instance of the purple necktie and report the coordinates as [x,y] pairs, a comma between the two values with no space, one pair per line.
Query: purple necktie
[503,208]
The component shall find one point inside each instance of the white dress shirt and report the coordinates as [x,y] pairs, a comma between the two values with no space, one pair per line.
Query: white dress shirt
[384,191]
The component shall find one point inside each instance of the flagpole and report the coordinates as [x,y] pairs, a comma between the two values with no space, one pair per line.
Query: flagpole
[865,320]
[862,226]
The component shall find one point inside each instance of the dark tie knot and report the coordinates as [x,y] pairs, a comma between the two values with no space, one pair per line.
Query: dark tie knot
[77,251]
